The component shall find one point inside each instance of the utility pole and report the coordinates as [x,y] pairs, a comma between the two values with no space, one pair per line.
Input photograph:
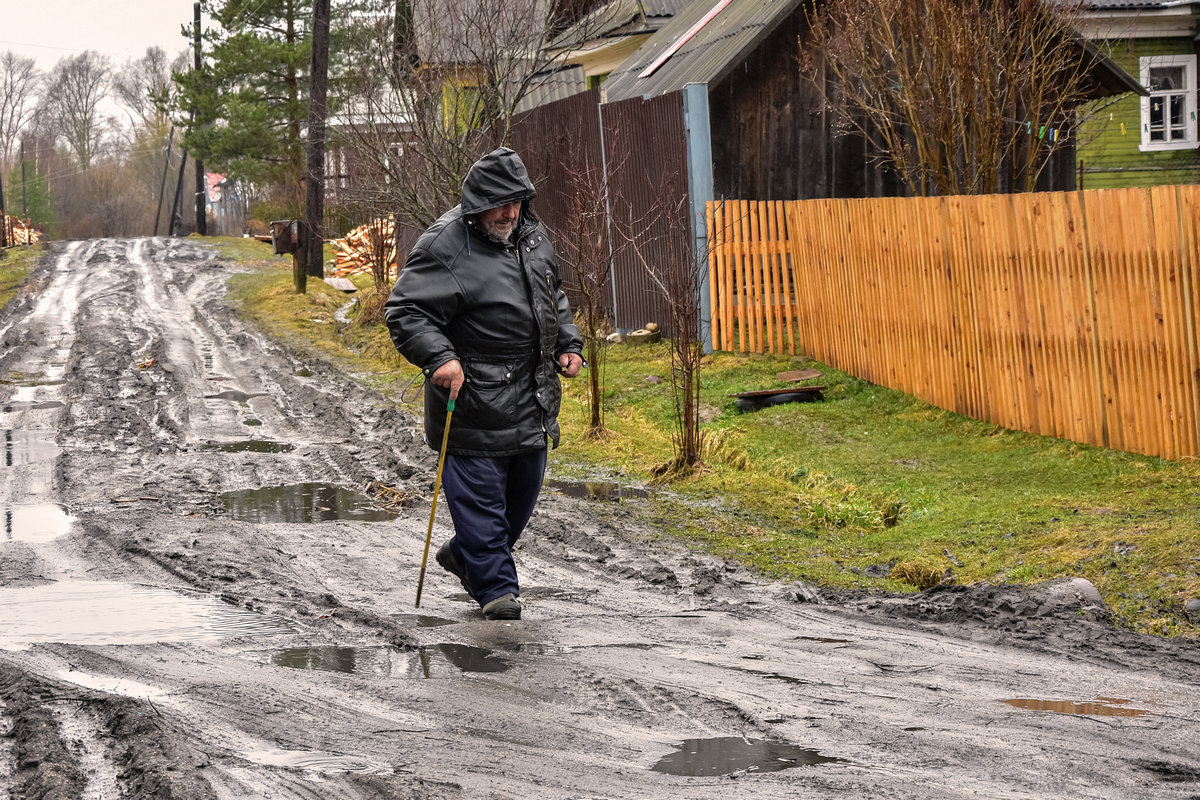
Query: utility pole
[201,178]
[176,205]
[314,185]
[162,188]
[24,206]
[3,217]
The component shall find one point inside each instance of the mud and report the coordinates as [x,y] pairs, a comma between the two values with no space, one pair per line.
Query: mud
[155,641]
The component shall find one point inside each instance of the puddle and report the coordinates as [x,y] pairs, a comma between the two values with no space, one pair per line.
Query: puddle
[109,613]
[249,446]
[303,502]
[315,761]
[597,491]
[29,405]
[234,395]
[253,423]
[430,661]
[537,649]
[1100,707]
[26,447]
[464,658]
[111,685]
[423,620]
[350,660]
[304,372]
[725,754]
[821,639]
[33,523]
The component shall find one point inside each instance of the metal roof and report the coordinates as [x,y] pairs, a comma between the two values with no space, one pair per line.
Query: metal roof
[663,8]
[707,56]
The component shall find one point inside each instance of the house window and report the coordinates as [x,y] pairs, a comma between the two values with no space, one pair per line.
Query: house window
[1169,113]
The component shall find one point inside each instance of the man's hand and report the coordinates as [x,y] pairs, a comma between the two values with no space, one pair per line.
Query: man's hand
[449,375]
[570,364]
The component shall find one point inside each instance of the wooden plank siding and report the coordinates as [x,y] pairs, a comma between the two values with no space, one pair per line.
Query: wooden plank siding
[1068,314]
[1110,133]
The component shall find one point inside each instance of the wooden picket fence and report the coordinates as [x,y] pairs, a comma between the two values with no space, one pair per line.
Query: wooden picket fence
[1070,314]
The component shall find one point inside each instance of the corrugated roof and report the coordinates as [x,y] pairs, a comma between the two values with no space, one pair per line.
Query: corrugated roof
[548,87]
[664,8]
[707,56]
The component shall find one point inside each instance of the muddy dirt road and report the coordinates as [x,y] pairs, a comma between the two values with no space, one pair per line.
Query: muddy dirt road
[199,600]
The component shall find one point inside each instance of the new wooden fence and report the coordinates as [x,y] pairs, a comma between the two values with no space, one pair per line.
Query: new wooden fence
[1072,315]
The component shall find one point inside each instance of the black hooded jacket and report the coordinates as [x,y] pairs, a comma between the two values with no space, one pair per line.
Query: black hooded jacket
[497,307]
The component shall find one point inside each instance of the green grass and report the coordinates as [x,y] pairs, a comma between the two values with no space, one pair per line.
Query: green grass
[823,491]
[15,265]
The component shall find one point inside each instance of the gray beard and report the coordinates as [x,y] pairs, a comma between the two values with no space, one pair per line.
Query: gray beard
[491,231]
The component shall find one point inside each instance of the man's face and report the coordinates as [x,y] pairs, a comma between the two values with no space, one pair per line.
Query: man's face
[501,220]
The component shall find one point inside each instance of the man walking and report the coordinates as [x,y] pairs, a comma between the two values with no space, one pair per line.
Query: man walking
[480,309]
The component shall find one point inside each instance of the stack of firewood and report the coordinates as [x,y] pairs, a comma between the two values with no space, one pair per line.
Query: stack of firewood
[20,232]
[367,249]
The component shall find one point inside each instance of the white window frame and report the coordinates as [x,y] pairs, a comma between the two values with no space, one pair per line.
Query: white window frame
[1190,140]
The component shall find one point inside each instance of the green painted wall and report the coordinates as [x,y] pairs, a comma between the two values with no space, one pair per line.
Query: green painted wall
[1110,154]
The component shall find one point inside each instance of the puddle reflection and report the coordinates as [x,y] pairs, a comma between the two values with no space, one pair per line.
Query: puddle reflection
[29,405]
[463,657]
[725,754]
[19,447]
[33,523]
[1101,707]
[104,613]
[302,502]
[233,395]
[349,660]
[597,490]
[423,620]
[430,661]
[249,446]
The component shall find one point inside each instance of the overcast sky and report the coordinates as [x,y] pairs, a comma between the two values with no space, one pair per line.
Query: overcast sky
[47,30]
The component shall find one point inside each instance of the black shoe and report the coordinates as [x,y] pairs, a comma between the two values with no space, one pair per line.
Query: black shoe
[449,562]
[504,607]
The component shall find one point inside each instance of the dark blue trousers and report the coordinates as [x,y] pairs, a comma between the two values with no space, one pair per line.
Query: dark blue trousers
[491,501]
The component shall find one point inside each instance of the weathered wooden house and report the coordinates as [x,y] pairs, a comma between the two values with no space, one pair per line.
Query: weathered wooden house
[773,136]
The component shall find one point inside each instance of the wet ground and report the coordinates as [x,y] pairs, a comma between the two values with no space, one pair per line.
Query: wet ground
[201,596]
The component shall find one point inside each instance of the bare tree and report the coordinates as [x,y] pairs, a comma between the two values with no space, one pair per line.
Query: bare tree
[144,87]
[19,82]
[676,273]
[76,87]
[960,97]
[587,250]
[433,85]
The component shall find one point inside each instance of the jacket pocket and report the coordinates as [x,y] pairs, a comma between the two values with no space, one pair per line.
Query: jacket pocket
[489,396]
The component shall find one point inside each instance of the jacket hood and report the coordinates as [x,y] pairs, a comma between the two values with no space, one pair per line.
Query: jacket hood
[494,180]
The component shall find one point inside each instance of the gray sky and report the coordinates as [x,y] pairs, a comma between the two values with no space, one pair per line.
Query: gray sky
[47,30]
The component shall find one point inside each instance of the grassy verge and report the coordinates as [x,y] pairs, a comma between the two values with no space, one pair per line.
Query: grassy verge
[15,265]
[868,488]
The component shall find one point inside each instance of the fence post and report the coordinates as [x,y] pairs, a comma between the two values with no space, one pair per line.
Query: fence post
[1186,250]
[700,192]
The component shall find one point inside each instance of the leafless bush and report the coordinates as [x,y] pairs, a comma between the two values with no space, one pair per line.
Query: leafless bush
[960,97]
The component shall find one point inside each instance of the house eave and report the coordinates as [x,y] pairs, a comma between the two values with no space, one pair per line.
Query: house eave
[1170,20]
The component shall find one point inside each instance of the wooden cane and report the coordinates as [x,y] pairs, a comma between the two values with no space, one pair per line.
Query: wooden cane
[437,485]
